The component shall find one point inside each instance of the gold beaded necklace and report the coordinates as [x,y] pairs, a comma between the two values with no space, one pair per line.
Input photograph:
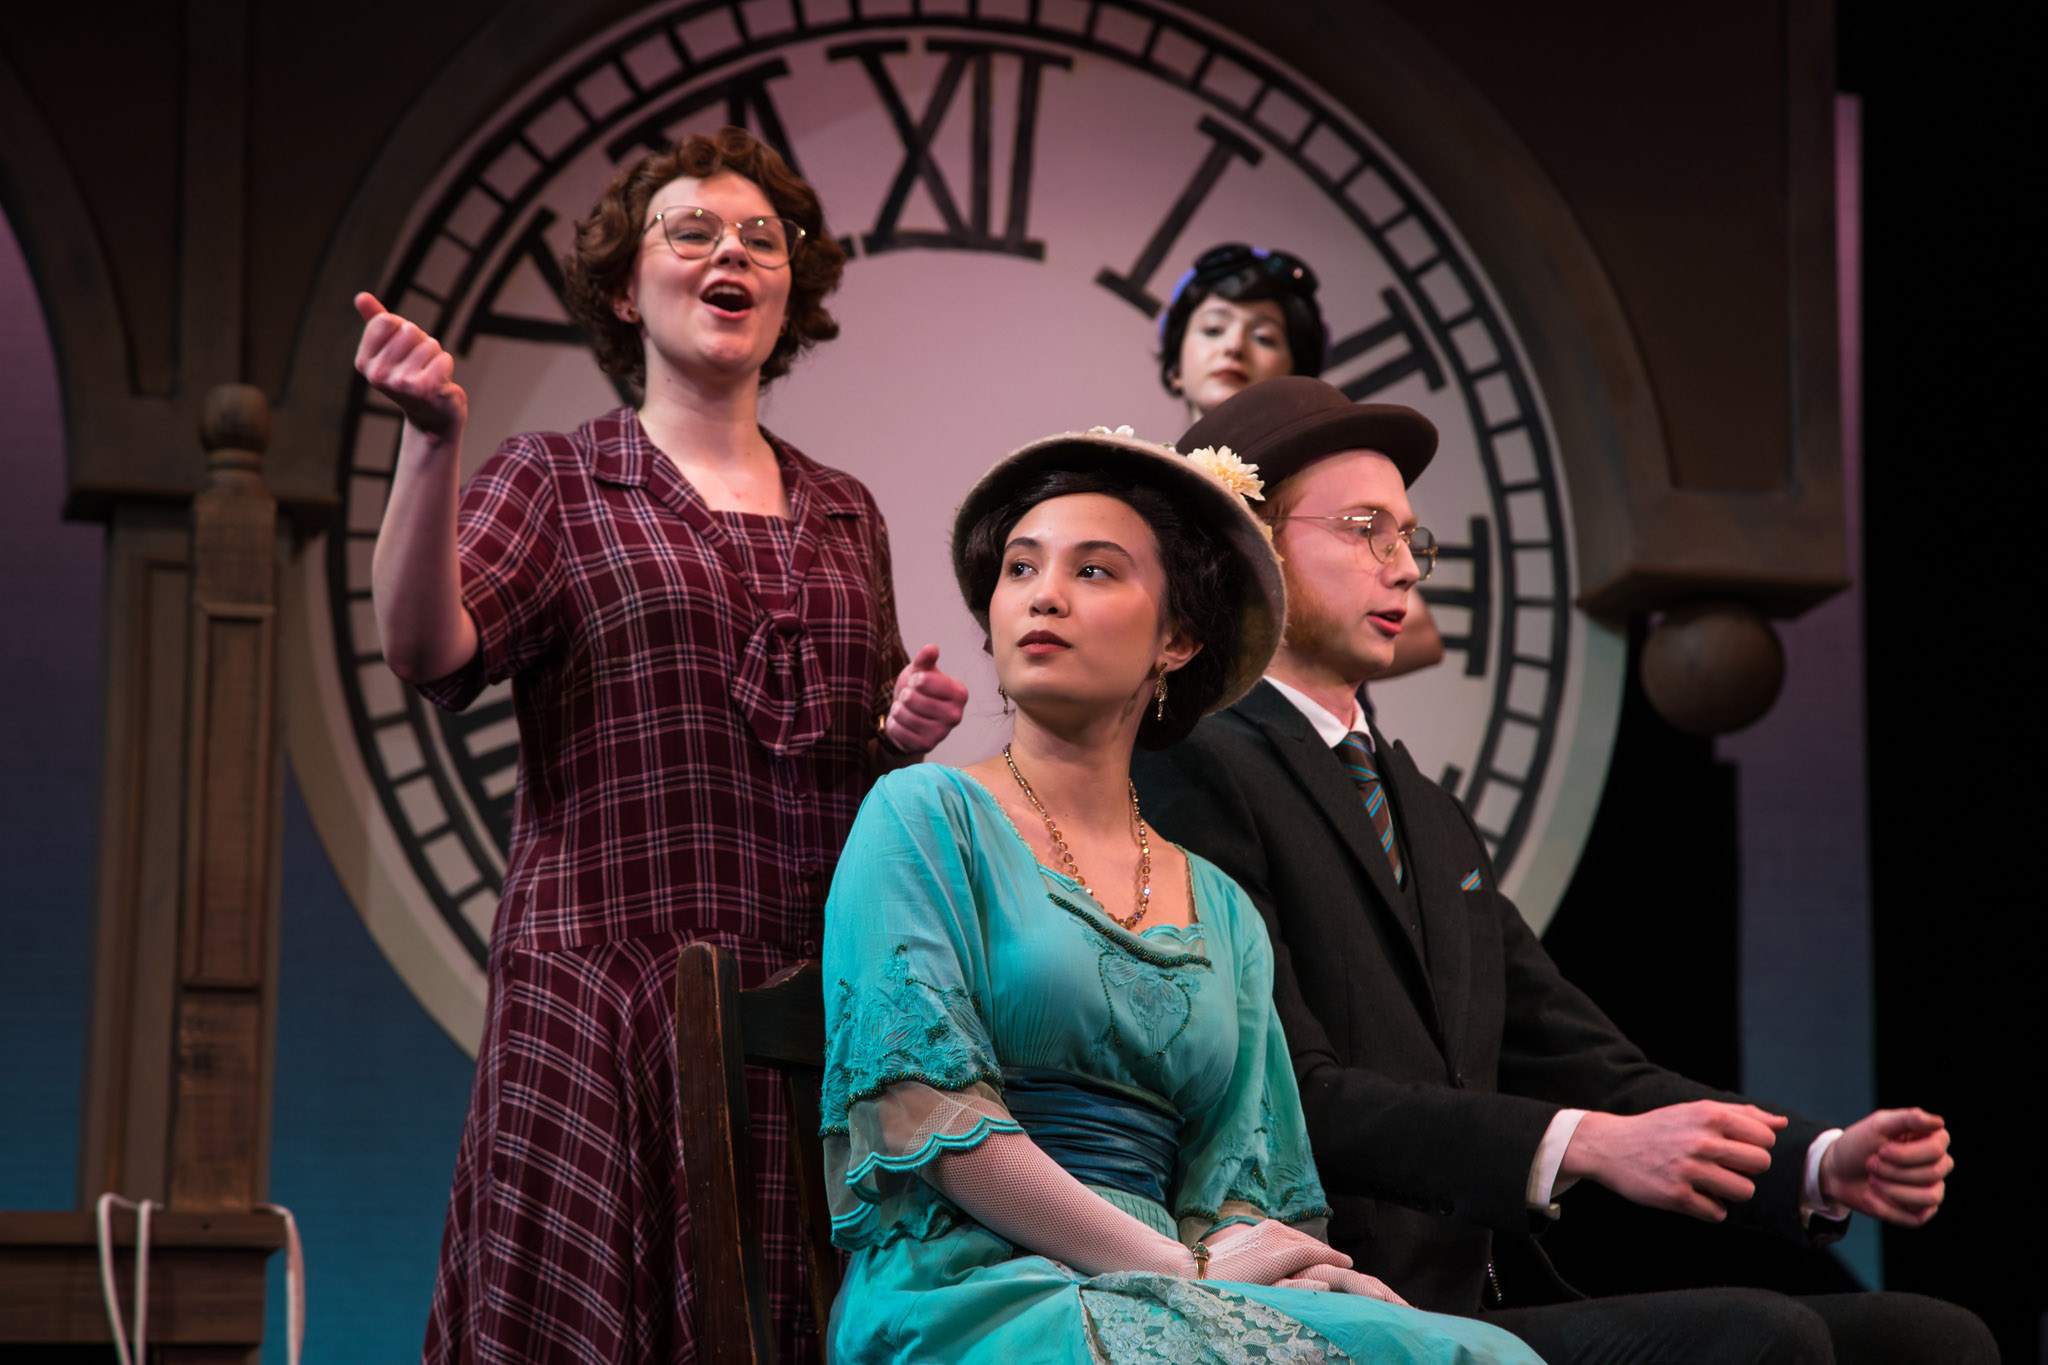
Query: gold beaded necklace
[1059,846]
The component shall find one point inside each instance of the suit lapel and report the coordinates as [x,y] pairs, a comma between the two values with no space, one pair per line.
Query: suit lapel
[1319,773]
[1435,876]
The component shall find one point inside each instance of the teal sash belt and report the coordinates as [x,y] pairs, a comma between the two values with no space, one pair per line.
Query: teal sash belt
[1099,1136]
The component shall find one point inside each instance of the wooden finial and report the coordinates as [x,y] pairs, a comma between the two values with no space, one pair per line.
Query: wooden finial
[235,425]
[1712,667]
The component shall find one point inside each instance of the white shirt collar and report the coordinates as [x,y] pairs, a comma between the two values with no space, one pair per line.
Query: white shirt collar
[1330,727]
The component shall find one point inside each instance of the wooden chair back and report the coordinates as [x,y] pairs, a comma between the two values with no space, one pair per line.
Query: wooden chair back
[719,1029]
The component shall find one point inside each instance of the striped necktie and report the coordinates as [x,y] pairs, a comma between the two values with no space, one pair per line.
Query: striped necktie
[1355,753]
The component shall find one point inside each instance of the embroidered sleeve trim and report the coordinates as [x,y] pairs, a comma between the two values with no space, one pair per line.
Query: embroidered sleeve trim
[930,1149]
[990,1075]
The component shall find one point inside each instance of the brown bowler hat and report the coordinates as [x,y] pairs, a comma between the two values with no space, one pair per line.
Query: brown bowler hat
[1284,425]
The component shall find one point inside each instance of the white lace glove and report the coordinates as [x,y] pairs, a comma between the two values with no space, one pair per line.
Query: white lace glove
[1011,1187]
[1270,1252]
[1330,1277]
[1015,1190]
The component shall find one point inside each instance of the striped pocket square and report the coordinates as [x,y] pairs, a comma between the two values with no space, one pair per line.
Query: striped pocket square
[1473,881]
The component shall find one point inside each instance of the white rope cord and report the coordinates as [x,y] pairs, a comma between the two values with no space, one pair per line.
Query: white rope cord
[106,1232]
[294,1283]
[294,1278]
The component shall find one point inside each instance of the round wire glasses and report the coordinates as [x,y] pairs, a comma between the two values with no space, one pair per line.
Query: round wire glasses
[1376,532]
[695,233]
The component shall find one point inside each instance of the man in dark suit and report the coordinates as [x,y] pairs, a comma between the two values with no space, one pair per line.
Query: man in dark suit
[1455,1084]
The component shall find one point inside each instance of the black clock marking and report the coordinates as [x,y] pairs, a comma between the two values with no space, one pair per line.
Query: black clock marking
[1476,639]
[920,166]
[531,248]
[486,735]
[444,785]
[748,104]
[1225,146]
[1415,356]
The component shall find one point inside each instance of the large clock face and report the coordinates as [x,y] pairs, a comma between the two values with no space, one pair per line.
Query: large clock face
[1019,185]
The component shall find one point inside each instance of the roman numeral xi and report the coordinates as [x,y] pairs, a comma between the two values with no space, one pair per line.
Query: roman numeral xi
[975,230]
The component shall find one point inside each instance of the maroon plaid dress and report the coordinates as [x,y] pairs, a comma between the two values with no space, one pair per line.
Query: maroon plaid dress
[696,694]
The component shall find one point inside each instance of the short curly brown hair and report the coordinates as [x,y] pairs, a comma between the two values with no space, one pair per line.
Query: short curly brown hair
[608,243]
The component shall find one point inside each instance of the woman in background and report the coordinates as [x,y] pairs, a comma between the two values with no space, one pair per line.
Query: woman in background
[1241,314]
[701,636]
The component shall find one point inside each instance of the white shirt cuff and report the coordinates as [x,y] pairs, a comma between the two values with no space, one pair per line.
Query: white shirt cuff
[1544,1188]
[1811,1200]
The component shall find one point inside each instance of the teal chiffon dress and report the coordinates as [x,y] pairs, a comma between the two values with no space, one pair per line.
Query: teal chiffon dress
[970,991]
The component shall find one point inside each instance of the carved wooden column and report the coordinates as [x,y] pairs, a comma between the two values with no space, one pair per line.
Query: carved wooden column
[218,1143]
[177,1092]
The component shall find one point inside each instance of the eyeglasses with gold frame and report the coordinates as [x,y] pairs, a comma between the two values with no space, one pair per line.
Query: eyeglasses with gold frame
[694,233]
[1375,531]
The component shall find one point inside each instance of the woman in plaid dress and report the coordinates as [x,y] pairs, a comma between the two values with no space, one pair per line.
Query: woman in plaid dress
[701,636]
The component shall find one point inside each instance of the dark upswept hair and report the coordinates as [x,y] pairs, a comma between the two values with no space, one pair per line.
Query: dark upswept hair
[1305,332]
[1203,586]
[608,242]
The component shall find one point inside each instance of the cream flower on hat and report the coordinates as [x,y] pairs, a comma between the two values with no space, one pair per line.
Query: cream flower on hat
[1221,464]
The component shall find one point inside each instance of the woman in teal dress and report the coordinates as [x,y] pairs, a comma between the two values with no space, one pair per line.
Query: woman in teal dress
[1061,1124]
